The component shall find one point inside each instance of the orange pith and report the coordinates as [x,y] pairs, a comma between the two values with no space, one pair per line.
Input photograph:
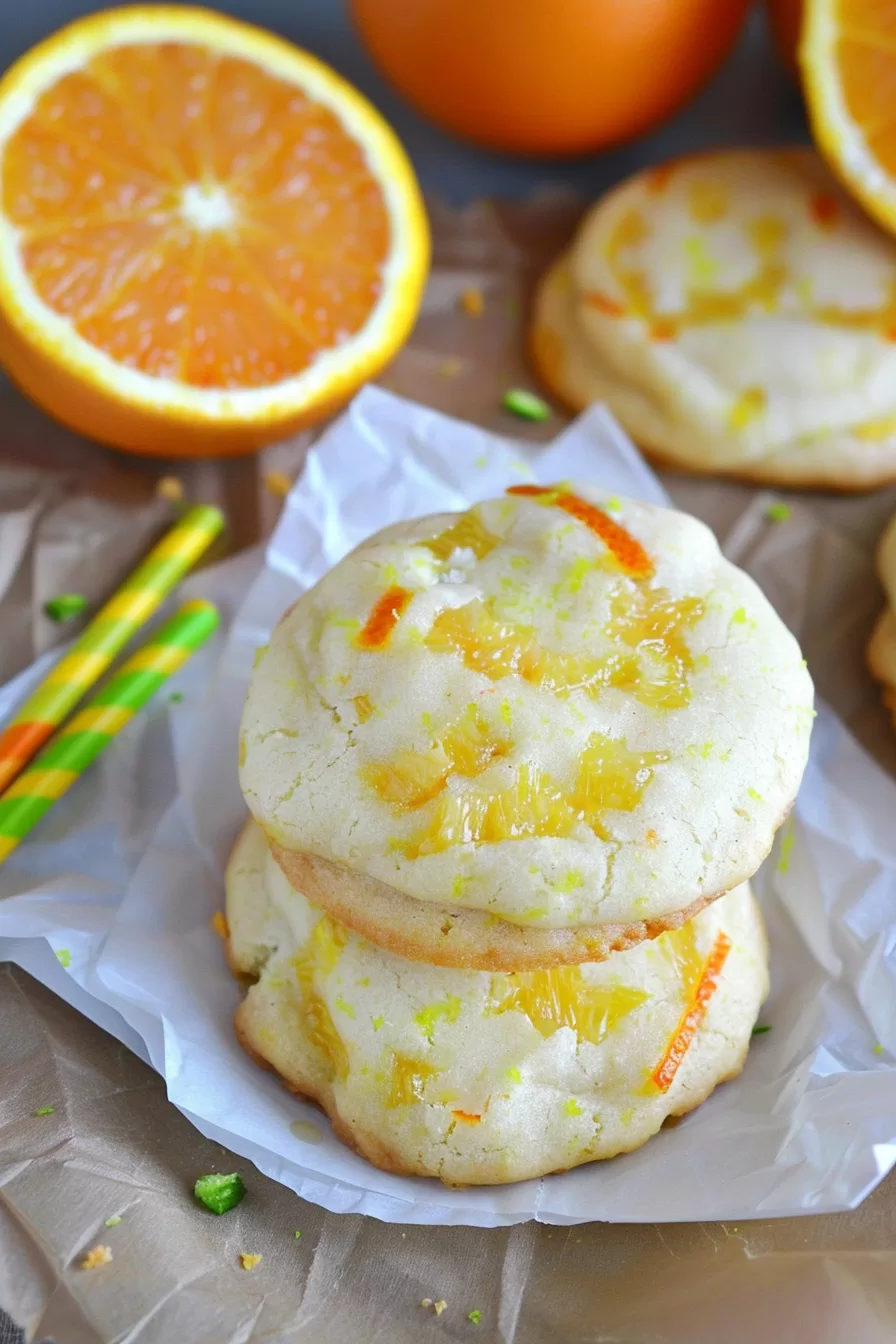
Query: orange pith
[200,211]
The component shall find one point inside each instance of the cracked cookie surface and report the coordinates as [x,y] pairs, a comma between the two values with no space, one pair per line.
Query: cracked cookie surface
[484,1078]
[561,709]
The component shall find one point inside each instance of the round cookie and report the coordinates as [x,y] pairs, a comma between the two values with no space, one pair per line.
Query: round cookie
[480,1078]
[561,709]
[736,312]
[444,936]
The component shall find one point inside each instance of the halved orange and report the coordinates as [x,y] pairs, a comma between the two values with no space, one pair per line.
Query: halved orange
[848,62]
[207,238]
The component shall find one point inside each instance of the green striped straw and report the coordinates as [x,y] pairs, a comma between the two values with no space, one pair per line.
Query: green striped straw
[93,728]
[106,635]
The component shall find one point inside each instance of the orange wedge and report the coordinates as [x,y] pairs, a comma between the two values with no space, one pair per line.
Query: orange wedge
[207,238]
[848,61]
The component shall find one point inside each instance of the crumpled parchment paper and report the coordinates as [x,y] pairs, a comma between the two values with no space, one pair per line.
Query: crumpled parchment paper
[811,1124]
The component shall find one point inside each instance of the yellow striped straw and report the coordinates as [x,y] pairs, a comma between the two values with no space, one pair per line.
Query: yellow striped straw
[108,632]
[96,725]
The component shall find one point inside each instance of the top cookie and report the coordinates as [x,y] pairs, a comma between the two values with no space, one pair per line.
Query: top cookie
[560,707]
[739,313]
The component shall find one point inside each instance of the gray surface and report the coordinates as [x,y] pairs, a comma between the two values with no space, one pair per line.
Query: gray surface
[750,100]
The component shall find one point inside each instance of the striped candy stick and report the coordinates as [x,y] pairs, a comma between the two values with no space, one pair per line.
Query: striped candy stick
[104,637]
[106,713]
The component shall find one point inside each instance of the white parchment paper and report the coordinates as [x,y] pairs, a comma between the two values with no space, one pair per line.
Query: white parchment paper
[121,880]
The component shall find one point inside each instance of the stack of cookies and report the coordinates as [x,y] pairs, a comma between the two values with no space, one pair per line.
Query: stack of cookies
[736,311]
[510,772]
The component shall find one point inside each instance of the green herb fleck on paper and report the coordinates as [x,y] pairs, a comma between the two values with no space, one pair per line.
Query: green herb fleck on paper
[525,404]
[66,606]
[878,1049]
[475,1316]
[220,1192]
[45,1110]
[760,1030]
[113,1221]
[778,512]
[64,957]
[297,1234]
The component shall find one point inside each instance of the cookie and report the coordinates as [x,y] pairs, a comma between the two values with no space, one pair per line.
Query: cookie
[561,708]
[444,936]
[481,1078]
[737,313]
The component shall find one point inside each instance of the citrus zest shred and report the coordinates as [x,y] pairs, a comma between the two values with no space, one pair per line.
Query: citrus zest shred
[625,549]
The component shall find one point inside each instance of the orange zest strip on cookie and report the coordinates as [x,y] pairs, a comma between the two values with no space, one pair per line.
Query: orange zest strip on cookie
[692,1020]
[604,304]
[625,549]
[383,618]
[466,1117]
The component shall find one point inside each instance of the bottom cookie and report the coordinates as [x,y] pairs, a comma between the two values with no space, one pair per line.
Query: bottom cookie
[483,1078]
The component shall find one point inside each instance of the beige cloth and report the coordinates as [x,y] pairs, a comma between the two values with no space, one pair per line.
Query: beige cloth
[75,517]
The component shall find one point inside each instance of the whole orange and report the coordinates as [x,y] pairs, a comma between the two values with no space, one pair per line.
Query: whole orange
[537,77]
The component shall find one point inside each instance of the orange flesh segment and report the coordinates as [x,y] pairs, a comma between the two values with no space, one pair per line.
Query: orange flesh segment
[692,1019]
[101,178]
[561,997]
[407,1080]
[626,549]
[384,616]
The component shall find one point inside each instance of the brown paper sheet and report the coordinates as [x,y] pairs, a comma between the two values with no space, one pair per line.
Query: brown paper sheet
[74,517]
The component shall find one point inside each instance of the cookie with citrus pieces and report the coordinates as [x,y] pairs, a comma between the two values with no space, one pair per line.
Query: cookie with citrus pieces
[560,709]
[737,312]
[208,239]
[479,1078]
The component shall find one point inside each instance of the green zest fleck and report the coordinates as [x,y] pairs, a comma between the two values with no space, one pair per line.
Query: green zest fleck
[113,1221]
[377,1022]
[614,503]
[345,1007]
[739,617]
[514,1075]
[755,795]
[45,1110]
[64,957]
[778,512]
[760,1030]
[66,606]
[525,404]
[572,1107]
[219,1192]
[448,1008]
[475,1315]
